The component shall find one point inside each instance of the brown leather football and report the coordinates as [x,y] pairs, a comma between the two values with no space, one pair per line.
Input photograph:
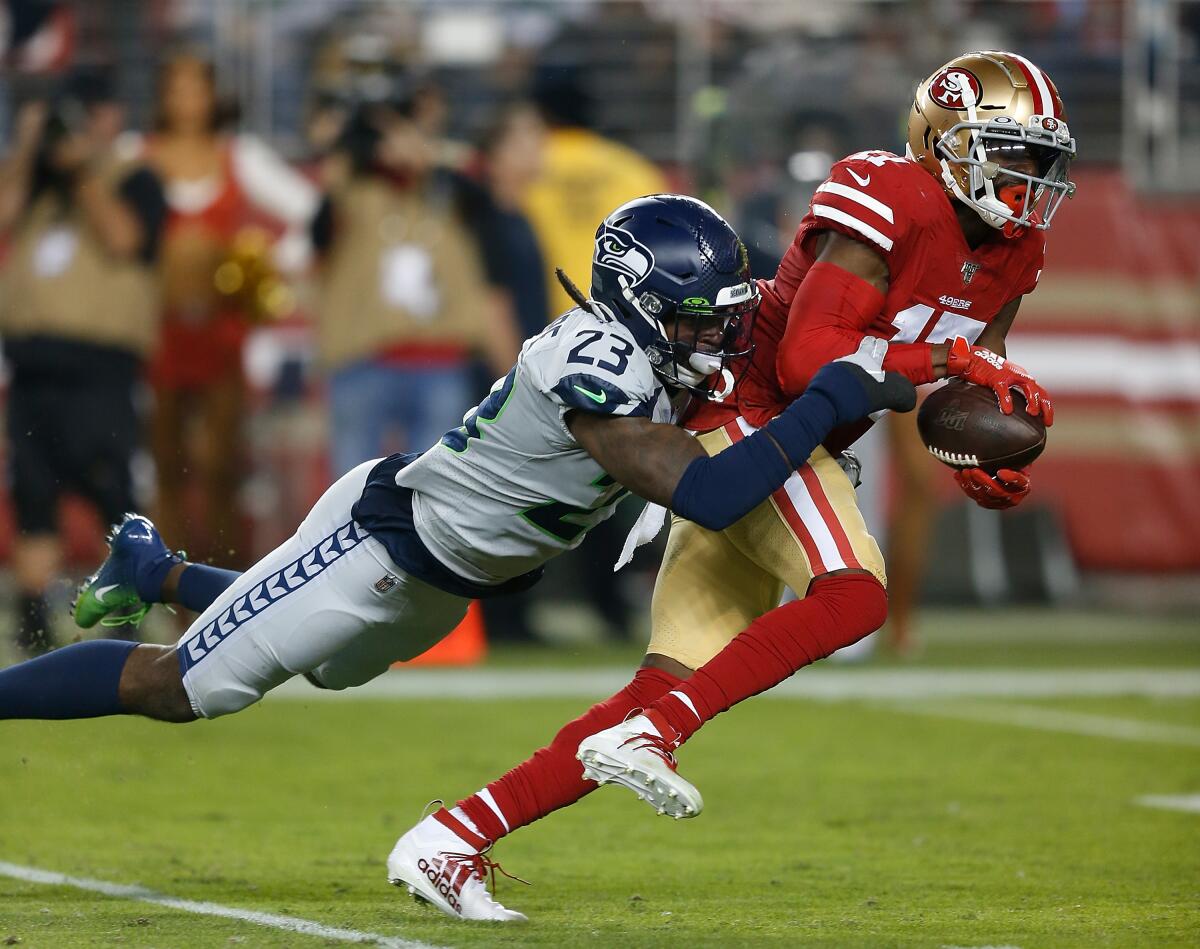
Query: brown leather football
[962,426]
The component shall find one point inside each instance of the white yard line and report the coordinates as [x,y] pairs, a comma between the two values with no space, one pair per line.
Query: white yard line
[1041,718]
[1190,803]
[290,924]
[820,683]
[981,947]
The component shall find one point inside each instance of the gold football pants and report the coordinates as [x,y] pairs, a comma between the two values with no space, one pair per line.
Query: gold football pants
[713,584]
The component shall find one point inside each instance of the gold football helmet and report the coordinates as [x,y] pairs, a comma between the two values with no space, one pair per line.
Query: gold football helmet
[990,127]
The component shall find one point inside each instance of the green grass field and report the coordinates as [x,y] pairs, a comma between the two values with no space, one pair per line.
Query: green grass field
[944,820]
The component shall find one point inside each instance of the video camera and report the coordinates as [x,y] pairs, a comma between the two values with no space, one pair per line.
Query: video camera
[368,103]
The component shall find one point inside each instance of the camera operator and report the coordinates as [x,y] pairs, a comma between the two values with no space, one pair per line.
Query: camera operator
[78,303]
[402,301]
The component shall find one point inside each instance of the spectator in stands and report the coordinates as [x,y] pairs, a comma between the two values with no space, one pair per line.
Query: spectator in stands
[402,301]
[511,159]
[510,162]
[217,185]
[586,176]
[78,311]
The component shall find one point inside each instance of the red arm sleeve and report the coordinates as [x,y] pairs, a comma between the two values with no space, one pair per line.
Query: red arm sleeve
[828,318]
[914,361]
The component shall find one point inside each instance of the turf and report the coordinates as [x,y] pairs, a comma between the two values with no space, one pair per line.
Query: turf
[968,637]
[827,824]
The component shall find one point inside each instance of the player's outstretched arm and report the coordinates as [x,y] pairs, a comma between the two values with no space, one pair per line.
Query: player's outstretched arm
[664,465]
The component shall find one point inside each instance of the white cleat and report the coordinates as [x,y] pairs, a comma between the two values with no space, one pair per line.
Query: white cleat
[635,755]
[439,867]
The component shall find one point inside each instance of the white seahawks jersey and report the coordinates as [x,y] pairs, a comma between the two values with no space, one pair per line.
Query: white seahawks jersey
[511,487]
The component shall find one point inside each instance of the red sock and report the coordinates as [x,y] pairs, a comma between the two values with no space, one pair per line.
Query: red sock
[837,611]
[553,778]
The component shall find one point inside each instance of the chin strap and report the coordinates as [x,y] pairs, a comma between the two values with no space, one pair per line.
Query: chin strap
[682,373]
[696,369]
[989,207]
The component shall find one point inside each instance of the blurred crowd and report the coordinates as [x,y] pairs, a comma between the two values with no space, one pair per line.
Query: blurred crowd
[138,263]
[437,170]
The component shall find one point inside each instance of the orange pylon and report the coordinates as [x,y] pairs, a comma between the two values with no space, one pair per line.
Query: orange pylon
[465,646]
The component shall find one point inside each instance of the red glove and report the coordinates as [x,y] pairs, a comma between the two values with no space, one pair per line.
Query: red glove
[983,367]
[1007,489]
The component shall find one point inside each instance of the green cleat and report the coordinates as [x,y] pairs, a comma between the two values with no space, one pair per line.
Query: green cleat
[109,596]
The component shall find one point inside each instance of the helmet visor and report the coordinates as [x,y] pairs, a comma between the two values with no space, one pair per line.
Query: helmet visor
[704,337]
[721,326]
[1016,173]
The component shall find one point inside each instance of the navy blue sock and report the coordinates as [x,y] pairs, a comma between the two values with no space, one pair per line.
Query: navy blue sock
[200,585]
[149,578]
[78,681]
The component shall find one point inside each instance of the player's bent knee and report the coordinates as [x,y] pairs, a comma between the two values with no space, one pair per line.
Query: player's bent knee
[337,677]
[315,682]
[855,599]
[326,683]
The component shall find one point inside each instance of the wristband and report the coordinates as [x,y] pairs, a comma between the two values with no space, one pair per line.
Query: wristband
[912,360]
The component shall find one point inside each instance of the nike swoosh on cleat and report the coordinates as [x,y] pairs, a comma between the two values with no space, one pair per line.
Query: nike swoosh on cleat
[598,397]
[100,593]
[863,182]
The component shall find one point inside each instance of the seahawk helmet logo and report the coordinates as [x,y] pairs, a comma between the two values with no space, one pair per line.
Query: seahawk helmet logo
[619,250]
[947,88]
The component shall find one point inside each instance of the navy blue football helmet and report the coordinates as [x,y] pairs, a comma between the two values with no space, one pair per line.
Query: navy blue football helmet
[666,258]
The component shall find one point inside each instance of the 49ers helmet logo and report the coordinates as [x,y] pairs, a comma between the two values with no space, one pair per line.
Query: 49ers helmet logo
[947,88]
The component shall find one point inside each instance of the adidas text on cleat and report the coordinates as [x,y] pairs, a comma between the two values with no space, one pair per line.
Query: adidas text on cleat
[635,755]
[438,866]
[109,596]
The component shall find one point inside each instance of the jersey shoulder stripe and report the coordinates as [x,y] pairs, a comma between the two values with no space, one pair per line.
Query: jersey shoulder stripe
[855,224]
[590,393]
[858,197]
[876,197]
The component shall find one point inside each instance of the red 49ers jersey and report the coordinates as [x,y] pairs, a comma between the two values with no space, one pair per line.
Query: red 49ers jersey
[938,286]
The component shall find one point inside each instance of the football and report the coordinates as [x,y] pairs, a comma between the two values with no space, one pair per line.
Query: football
[962,426]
